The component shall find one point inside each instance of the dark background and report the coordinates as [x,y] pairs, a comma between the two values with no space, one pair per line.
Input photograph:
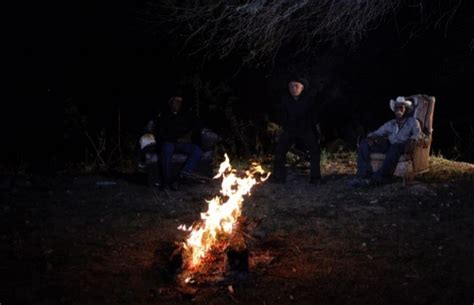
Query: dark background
[102,59]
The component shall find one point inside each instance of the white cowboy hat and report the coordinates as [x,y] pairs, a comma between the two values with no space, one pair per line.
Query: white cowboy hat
[401,100]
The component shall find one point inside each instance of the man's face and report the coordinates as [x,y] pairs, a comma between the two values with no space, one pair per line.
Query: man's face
[175,104]
[295,88]
[399,111]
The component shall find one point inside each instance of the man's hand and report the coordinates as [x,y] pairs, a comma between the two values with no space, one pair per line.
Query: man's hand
[374,140]
[322,138]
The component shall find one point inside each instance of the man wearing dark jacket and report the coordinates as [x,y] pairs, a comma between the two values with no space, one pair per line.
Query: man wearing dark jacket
[300,123]
[175,130]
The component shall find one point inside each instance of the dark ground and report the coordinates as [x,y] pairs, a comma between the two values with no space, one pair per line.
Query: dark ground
[66,240]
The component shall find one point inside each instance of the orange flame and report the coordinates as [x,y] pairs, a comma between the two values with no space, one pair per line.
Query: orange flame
[220,219]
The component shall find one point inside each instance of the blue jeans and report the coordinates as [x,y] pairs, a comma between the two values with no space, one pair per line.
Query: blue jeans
[192,151]
[392,154]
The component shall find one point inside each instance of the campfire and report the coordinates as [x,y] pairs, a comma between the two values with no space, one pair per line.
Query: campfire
[218,230]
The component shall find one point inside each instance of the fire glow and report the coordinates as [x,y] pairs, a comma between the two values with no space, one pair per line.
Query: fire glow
[220,220]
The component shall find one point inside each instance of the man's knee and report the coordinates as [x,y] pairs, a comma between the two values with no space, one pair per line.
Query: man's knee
[196,152]
[167,149]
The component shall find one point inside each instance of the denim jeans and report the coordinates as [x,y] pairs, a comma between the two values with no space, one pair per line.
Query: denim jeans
[192,151]
[392,154]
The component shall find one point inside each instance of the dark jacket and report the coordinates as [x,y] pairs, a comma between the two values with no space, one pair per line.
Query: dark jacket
[299,117]
[171,126]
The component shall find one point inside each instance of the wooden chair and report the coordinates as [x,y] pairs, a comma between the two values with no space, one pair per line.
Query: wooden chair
[416,161]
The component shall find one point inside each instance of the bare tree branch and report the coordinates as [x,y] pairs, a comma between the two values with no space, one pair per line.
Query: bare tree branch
[256,29]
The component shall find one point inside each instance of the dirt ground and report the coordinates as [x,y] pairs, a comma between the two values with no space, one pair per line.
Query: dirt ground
[69,241]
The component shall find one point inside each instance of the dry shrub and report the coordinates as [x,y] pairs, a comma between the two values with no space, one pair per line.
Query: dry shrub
[443,170]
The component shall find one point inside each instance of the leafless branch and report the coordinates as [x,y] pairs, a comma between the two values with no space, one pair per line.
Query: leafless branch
[257,29]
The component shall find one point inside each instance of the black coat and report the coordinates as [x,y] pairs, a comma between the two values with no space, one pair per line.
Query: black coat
[174,126]
[299,117]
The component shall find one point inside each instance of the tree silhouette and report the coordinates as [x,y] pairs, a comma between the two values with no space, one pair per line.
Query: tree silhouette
[257,29]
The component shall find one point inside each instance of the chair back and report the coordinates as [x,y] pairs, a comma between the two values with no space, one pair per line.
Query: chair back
[423,112]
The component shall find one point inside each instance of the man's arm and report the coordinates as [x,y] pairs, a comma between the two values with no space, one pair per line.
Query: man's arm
[316,119]
[416,130]
[416,134]
[383,131]
[283,114]
[194,129]
[318,129]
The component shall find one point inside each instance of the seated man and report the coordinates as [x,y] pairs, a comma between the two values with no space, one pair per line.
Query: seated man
[299,122]
[392,138]
[175,131]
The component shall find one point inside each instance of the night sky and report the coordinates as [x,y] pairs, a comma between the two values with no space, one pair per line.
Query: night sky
[102,58]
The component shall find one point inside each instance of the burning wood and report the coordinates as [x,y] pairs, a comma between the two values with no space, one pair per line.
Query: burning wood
[215,233]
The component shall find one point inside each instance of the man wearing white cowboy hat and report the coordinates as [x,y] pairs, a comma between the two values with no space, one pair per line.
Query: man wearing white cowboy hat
[392,139]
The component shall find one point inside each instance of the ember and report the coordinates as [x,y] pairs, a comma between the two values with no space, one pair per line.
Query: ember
[215,233]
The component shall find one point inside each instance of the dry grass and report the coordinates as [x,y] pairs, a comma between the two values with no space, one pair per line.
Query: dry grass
[442,169]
